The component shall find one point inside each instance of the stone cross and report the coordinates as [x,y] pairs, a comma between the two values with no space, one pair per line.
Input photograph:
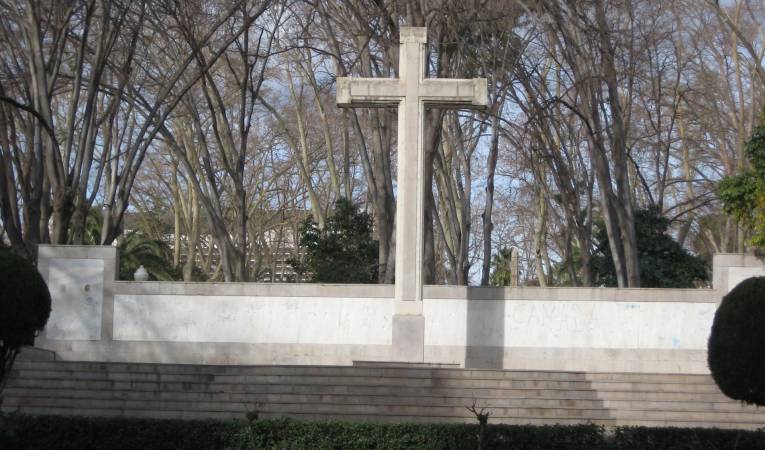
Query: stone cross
[411,93]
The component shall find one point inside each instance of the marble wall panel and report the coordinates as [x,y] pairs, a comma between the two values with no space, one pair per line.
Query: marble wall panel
[305,320]
[76,288]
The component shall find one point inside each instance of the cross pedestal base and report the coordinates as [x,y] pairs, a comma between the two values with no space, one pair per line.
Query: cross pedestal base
[408,338]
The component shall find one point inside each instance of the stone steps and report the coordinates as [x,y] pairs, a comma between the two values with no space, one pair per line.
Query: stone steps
[739,425]
[409,373]
[666,405]
[487,393]
[156,380]
[617,386]
[379,380]
[340,394]
[339,415]
[302,406]
[269,397]
[713,397]
[313,371]
[376,392]
[392,372]
[649,377]
[106,369]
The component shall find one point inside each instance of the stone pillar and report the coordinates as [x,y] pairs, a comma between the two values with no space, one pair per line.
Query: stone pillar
[729,269]
[81,283]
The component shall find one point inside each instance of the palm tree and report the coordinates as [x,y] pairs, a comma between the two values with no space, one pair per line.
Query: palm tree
[136,249]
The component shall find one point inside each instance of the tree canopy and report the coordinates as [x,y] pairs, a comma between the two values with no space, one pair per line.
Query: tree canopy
[215,123]
[743,195]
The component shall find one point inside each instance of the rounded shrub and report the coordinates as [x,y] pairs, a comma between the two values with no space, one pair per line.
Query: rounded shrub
[24,302]
[736,350]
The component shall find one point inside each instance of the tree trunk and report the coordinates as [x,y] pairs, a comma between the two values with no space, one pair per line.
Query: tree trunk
[488,226]
[539,237]
[623,205]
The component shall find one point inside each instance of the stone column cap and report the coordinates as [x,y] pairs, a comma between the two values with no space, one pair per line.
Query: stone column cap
[413,34]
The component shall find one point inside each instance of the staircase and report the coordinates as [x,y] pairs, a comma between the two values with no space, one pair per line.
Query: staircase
[672,400]
[371,393]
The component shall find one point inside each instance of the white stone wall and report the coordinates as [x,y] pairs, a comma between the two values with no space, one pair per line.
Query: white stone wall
[254,320]
[634,330]
[572,324]
[76,285]
[594,329]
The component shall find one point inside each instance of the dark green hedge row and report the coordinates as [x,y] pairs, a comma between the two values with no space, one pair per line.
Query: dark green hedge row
[53,432]
[686,438]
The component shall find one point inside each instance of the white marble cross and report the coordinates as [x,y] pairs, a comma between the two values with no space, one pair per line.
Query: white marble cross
[412,93]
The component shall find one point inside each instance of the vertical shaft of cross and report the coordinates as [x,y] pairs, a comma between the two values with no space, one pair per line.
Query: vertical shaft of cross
[411,187]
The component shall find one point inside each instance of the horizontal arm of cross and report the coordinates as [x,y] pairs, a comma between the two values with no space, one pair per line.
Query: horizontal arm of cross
[388,92]
[451,92]
[369,92]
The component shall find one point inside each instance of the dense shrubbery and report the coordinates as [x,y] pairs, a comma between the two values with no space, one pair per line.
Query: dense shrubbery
[664,263]
[51,432]
[743,194]
[20,432]
[24,307]
[686,439]
[737,343]
[341,252]
[41,432]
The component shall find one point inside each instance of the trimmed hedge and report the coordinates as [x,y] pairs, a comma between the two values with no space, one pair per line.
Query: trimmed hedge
[24,308]
[22,432]
[24,301]
[331,435]
[686,438]
[18,431]
[737,341]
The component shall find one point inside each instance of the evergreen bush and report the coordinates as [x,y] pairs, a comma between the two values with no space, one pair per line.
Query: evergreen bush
[341,252]
[24,307]
[664,263]
[736,352]
[23,432]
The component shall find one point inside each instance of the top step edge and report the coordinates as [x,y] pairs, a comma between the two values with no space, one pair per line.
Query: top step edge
[395,367]
[427,367]
[222,369]
[364,372]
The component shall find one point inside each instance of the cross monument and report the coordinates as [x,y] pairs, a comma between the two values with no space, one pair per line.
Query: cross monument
[411,93]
